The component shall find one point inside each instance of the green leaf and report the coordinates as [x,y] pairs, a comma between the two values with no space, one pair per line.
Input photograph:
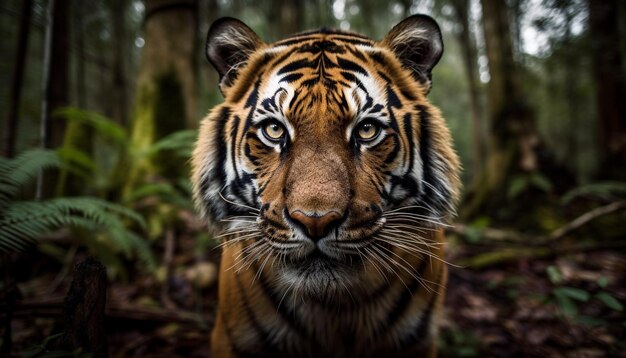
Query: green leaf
[541,182]
[566,304]
[481,223]
[572,292]
[610,301]
[517,186]
[554,274]
[18,172]
[589,321]
[101,124]
[603,282]
[181,143]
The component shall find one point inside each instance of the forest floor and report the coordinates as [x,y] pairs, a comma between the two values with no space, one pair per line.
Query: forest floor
[512,309]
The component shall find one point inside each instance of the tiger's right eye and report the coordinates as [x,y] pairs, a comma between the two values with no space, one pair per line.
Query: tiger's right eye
[274,131]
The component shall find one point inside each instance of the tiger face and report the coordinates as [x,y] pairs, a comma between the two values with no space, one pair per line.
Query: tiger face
[324,152]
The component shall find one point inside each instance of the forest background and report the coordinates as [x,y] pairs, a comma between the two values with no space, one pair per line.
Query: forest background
[99,107]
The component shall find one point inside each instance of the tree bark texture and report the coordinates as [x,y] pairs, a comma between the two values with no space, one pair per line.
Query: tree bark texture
[468,46]
[166,92]
[84,310]
[19,67]
[120,109]
[56,90]
[513,137]
[604,26]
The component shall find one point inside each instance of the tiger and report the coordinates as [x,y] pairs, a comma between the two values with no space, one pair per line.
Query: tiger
[329,179]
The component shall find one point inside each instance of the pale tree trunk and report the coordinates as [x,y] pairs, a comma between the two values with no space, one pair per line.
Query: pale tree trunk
[513,138]
[19,67]
[166,92]
[468,46]
[604,21]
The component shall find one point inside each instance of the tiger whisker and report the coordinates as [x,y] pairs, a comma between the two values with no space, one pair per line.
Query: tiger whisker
[234,233]
[389,268]
[415,249]
[420,280]
[238,204]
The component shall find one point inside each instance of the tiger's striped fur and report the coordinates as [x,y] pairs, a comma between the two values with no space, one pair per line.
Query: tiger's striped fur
[331,239]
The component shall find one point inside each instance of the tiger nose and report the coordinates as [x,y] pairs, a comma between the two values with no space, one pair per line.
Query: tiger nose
[317,226]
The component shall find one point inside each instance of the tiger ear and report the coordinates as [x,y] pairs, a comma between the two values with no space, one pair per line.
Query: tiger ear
[229,44]
[417,42]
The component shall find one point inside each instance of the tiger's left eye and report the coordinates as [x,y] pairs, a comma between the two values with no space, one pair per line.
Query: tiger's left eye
[274,131]
[367,131]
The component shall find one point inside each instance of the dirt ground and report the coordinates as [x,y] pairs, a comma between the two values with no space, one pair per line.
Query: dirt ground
[513,309]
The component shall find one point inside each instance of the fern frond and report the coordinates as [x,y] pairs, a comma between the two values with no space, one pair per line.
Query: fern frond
[181,143]
[601,190]
[23,222]
[166,192]
[102,125]
[20,171]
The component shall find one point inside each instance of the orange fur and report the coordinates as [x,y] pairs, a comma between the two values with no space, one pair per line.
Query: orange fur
[373,283]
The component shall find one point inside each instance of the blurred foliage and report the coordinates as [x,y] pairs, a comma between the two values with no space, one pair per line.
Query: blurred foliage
[23,221]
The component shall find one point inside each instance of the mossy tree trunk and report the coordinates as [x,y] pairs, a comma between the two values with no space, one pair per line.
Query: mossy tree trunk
[513,139]
[166,92]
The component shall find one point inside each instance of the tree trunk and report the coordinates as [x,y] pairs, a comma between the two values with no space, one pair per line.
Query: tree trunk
[81,87]
[610,87]
[166,87]
[56,90]
[84,310]
[19,67]
[120,109]
[55,84]
[289,17]
[513,137]
[461,10]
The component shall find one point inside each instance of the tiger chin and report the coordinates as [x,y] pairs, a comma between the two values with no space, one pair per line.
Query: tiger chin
[328,177]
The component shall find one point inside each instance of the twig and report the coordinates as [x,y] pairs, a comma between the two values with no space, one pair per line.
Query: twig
[586,218]
[53,308]
[515,237]
[493,233]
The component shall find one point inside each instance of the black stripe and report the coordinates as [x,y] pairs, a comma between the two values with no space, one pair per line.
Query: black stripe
[379,58]
[421,331]
[267,347]
[233,143]
[410,152]
[239,352]
[394,151]
[297,65]
[217,174]
[291,78]
[351,66]
[281,303]
[403,302]
[356,53]
[428,193]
